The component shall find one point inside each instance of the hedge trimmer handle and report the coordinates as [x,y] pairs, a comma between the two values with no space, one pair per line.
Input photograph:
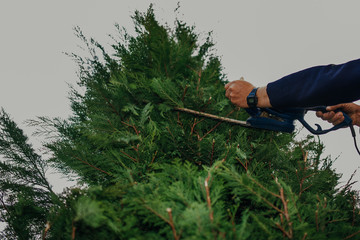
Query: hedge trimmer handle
[283,120]
[345,123]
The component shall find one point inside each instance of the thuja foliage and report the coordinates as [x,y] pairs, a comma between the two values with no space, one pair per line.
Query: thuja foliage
[150,171]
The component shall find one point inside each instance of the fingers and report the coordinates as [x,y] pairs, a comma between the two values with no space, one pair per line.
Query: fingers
[338,118]
[237,92]
[228,92]
[241,81]
[334,107]
[331,117]
[227,85]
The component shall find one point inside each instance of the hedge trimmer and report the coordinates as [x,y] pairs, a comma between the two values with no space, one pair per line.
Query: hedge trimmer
[279,120]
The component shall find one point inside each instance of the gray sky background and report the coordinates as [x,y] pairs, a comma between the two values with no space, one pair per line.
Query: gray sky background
[260,40]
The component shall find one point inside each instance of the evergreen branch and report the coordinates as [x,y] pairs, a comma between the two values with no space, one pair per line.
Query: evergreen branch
[316,218]
[212,152]
[166,71]
[210,131]
[199,78]
[47,228]
[353,210]
[337,220]
[133,126]
[157,214]
[207,104]
[286,212]
[3,203]
[128,156]
[158,87]
[283,230]
[175,141]
[223,160]
[264,199]
[110,104]
[195,123]
[242,164]
[171,222]
[352,235]
[208,199]
[297,210]
[305,236]
[349,183]
[73,231]
[91,165]
[264,188]
[15,148]
[284,201]
[117,157]
[217,125]
[178,120]
[184,93]
[152,160]
[198,74]
[281,196]
[303,190]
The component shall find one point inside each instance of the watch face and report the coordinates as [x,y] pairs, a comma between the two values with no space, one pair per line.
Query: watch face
[252,99]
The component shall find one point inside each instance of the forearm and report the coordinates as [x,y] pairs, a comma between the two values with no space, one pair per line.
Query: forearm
[263,98]
[321,85]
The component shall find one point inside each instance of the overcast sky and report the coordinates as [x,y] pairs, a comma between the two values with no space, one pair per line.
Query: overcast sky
[260,40]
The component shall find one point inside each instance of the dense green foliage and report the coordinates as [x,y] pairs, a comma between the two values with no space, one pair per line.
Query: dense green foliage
[151,172]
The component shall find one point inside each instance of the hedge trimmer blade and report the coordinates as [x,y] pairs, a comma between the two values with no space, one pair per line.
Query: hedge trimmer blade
[215,117]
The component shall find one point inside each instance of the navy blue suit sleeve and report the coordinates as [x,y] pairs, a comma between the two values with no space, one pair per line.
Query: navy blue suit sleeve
[317,86]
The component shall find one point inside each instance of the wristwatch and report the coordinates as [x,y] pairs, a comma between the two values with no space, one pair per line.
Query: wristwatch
[252,99]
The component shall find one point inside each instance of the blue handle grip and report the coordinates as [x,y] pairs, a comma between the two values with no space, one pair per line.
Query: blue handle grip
[345,123]
[283,120]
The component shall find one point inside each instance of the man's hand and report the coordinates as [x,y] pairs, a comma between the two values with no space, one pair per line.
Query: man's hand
[237,91]
[350,109]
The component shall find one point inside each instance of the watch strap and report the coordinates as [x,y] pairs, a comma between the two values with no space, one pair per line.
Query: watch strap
[252,99]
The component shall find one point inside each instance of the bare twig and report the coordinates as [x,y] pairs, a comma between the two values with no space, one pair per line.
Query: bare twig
[208,199]
[47,228]
[171,222]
